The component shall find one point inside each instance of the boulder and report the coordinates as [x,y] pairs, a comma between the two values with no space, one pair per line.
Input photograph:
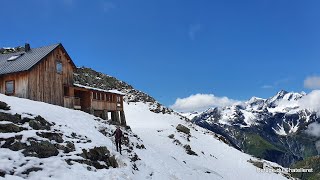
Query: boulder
[94,156]
[69,147]
[39,123]
[17,146]
[51,136]
[182,128]
[189,150]
[4,106]
[13,143]
[9,117]
[42,149]
[10,128]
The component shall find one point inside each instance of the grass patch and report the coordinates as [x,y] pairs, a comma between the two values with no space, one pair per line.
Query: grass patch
[259,147]
[311,162]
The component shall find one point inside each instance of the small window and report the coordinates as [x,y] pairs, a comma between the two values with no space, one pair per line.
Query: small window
[59,67]
[102,96]
[118,99]
[94,95]
[9,87]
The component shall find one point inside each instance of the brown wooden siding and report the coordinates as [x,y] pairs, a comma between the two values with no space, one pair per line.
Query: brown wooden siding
[106,101]
[45,84]
[103,105]
[69,102]
[20,84]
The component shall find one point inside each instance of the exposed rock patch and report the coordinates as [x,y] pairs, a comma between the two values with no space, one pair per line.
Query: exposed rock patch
[51,136]
[9,117]
[182,128]
[39,123]
[4,106]
[98,157]
[42,149]
[33,169]
[189,150]
[10,128]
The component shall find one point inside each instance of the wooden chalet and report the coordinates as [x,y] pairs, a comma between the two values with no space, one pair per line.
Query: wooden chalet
[46,74]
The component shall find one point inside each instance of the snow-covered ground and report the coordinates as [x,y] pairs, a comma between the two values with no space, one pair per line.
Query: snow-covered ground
[163,158]
[190,115]
[166,160]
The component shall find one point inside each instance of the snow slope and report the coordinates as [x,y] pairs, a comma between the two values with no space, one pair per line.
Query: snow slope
[162,158]
[166,160]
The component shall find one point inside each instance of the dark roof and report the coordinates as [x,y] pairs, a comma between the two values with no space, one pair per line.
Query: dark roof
[26,61]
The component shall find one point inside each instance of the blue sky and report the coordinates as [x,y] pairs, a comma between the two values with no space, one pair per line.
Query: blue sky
[174,49]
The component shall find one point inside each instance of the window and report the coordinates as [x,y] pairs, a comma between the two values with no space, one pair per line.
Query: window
[102,96]
[94,95]
[59,67]
[9,87]
[118,99]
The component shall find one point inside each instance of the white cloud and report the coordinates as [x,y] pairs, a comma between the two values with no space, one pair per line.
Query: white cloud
[312,82]
[313,129]
[200,102]
[311,101]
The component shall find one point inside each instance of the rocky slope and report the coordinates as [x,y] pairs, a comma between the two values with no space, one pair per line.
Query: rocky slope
[40,141]
[273,128]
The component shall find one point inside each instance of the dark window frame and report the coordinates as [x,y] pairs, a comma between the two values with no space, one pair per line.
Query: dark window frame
[14,89]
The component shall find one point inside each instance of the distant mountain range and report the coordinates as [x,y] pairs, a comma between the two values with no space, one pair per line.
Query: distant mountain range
[274,129]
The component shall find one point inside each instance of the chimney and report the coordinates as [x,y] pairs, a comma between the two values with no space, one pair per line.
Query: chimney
[27,47]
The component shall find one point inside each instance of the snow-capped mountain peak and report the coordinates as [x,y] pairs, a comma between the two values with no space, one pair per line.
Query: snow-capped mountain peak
[278,119]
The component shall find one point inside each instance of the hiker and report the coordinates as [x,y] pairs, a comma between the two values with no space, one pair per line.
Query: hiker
[118,135]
